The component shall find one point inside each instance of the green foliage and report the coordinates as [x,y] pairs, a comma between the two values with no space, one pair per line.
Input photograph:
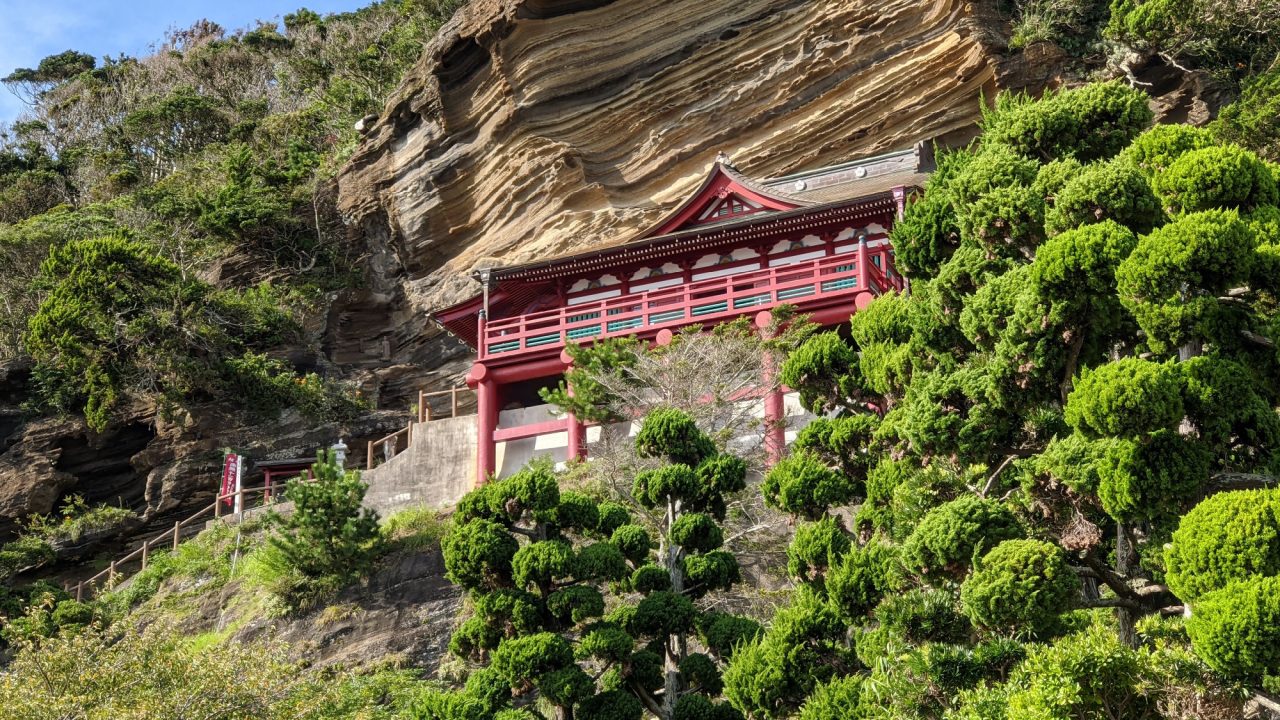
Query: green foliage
[55,68]
[920,616]
[838,698]
[927,234]
[861,579]
[414,529]
[330,537]
[1151,478]
[1228,39]
[1228,537]
[1074,25]
[590,398]
[1236,630]
[633,541]
[824,370]
[816,548]
[1094,122]
[722,632]
[1217,177]
[663,613]
[1250,121]
[696,532]
[1096,361]
[478,554]
[1156,149]
[143,172]
[25,552]
[1171,281]
[1090,674]
[540,564]
[950,535]
[1128,398]
[1008,223]
[772,676]
[155,672]
[801,484]
[1105,191]
[1021,585]
[1233,420]
[671,434]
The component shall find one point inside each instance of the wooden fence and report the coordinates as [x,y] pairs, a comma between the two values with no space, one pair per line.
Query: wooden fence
[400,440]
[171,538]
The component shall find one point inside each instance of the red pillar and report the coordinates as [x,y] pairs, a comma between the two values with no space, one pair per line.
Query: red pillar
[486,423]
[577,438]
[864,262]
[577,449]
[775,430]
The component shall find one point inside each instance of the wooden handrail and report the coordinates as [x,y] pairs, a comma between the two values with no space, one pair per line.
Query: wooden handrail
[424,407]
[175,534]
[393,438]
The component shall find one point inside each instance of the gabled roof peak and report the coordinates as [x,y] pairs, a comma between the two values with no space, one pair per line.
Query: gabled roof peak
[724,193]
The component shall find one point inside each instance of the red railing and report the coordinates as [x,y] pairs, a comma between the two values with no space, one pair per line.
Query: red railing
[703,301]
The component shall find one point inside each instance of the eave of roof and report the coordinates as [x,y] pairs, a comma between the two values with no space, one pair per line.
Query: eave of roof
[683,240]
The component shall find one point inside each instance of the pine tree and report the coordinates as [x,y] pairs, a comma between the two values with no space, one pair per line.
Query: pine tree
[329,534]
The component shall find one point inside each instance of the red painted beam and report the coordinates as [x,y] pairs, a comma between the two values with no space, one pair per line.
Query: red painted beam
[527,431]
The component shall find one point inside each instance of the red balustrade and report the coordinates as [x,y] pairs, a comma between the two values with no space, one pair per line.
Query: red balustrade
[704,301]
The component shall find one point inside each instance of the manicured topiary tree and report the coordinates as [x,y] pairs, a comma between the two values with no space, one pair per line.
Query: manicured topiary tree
[1021,585]
[540,565]
[1236,630]
[1087,352]
[1228,538]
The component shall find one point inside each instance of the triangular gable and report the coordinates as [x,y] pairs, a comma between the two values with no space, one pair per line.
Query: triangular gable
[724,195]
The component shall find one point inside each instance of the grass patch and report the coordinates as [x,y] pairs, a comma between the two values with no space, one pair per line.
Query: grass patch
[204,561]
[414,529]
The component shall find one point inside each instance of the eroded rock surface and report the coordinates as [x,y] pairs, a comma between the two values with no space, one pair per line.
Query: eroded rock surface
[531,129]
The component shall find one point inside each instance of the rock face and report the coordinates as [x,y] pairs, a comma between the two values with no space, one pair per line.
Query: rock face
[532,128]
[159,466]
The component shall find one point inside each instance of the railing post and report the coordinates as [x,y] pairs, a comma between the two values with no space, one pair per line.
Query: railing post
[217,506]
[145,544]
[424,412]
[111,574]
[80,591]
[177,533]
[368,465]
[453,402]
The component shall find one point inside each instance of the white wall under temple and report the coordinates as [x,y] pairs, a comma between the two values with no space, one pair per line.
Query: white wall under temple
[512,455]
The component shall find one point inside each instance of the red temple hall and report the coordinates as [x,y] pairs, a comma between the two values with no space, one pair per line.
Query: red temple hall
[738,246]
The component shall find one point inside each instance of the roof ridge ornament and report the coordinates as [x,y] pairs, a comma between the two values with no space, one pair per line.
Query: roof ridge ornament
[722,158]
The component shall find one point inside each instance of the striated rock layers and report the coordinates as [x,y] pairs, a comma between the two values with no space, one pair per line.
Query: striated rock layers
[532,128]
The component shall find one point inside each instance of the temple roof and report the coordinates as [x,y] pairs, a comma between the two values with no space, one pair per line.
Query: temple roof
[726,206]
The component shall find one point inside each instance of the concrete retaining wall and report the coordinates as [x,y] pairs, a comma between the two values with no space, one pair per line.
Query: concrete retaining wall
[439,467]
[435,471]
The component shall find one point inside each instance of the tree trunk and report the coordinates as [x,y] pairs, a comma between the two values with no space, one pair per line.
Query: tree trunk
[1124,561]
[675,645]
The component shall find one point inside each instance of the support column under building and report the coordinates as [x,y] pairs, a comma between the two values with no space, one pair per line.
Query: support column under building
[775,429]
[486,424]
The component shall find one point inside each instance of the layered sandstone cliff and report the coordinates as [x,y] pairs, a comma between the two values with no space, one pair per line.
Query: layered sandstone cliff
[532,128]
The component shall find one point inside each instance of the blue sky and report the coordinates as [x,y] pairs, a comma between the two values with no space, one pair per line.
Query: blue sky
[33,29]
